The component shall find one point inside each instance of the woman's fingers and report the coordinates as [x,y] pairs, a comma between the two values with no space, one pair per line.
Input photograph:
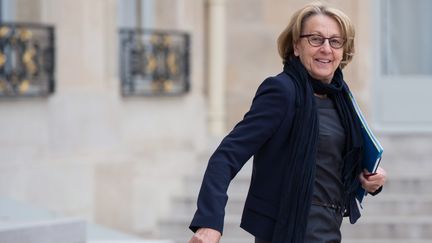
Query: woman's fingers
[373,181]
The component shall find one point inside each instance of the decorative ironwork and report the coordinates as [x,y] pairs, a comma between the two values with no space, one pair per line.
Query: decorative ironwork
[154,62]
[26,60]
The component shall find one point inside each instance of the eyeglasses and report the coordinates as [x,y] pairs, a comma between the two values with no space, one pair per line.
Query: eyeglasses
[317,40]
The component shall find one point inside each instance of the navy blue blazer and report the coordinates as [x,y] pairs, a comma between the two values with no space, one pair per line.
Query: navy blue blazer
[263,133]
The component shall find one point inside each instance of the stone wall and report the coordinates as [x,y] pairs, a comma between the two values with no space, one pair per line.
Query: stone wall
[86,150]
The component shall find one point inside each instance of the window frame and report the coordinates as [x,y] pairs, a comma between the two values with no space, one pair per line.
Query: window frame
[387,117]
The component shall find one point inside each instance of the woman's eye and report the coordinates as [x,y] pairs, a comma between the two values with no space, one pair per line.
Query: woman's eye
[335,41]
[316,39]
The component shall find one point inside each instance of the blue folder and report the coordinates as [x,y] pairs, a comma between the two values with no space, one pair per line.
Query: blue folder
[372,149]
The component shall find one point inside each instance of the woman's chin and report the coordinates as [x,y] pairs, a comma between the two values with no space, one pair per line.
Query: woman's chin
[323,77]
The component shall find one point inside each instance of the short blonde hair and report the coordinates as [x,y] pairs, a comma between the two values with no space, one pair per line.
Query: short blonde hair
[292,32]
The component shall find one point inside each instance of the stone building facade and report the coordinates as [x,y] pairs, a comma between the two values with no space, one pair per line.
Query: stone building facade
[88,151]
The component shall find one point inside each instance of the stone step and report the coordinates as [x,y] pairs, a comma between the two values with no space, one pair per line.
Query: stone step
[400,156]
[413,170]
[388,227]
[406,146]
[65,230]
[401,213]
[396,163]
[250,239]
[374,240]
[399,183]
[398,205]
[385,204]
[130,241]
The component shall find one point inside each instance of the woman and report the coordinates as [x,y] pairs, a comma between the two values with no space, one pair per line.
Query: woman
[305,138]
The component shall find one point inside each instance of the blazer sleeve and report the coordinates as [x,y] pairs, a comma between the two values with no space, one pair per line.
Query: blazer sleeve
[273,99]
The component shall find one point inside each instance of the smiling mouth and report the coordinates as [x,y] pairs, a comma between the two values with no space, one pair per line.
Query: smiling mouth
[323,60]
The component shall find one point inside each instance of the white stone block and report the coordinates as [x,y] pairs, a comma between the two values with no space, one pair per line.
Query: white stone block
[52,231]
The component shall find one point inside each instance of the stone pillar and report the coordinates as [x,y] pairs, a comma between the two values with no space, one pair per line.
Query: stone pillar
[216,66]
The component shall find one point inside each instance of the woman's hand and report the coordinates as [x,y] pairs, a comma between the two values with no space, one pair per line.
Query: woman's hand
[371,182]
[206,235]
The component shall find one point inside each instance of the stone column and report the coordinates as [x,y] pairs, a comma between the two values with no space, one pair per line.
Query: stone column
[216,66]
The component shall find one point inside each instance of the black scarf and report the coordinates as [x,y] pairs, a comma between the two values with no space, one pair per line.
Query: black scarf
[301,155]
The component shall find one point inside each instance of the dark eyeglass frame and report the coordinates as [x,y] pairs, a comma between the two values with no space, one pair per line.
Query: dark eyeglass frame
[332,44]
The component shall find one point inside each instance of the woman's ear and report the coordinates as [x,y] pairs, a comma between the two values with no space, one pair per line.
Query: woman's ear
[296,49]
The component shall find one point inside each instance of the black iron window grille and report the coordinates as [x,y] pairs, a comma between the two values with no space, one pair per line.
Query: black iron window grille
[154,62]
[26,60]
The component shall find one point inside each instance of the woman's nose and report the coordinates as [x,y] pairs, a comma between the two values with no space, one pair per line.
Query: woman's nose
[326,46]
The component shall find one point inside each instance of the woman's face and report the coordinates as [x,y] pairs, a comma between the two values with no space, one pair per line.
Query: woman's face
[322,61]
